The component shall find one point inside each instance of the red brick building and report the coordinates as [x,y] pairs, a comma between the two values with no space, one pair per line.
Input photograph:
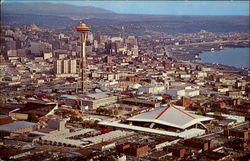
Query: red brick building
[176,151]
[186,102]
[197,143]
[4,119]
[134,79]
[138,150]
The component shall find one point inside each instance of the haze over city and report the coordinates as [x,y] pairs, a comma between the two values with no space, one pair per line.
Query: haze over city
[125,80]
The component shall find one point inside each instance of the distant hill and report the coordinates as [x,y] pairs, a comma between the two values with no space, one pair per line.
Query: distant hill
[43,21]
[63,16]
[55,9]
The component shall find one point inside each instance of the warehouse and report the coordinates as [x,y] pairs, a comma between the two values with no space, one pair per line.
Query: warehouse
[18,127]
[93,101]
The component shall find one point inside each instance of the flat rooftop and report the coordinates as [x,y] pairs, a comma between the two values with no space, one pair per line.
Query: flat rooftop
[139,101]
[16,126]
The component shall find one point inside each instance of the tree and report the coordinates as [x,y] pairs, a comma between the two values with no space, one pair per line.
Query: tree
[79,119]
[32,117]
[201,112]
[116,112]
[217,113]
[99,110]
[76,119]
[109,111]
[213,96]
[96,122]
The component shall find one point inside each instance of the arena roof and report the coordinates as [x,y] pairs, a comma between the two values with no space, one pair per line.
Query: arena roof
[185,134]
[170,116]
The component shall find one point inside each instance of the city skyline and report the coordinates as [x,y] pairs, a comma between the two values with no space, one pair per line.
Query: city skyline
[165,7]
[85,83]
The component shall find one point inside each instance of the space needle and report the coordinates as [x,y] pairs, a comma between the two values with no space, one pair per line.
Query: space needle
[83,29]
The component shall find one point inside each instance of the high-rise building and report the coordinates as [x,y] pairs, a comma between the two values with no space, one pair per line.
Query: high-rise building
[122,32]
[135,51]
[72,66]
[65,68]
[90,37]
[95,44]
[38,48]
[58,67]
[131,40]
[98,36]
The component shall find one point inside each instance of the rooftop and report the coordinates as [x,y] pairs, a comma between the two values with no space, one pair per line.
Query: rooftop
[16,125]
[185,134]
[170,116]
[93,96]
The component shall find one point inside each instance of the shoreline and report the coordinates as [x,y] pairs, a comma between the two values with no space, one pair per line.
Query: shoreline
[212,52]
[232,69]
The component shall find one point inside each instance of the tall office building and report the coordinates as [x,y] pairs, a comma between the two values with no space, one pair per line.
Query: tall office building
[90,37]
[122,32]
[131,40]
[98,36]
[38,48]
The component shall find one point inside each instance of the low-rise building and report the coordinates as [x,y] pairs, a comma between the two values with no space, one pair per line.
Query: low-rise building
[138,150]
[152,89]
[18,127]
[93,101]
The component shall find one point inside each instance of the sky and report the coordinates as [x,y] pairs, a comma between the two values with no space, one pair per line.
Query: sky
[164,7]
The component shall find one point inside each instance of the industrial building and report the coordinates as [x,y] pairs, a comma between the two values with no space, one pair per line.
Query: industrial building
[140,102]
[18,127]
[186,92]
[57,134]
[236,118]
[92,101]
[152,89]
[38,107]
